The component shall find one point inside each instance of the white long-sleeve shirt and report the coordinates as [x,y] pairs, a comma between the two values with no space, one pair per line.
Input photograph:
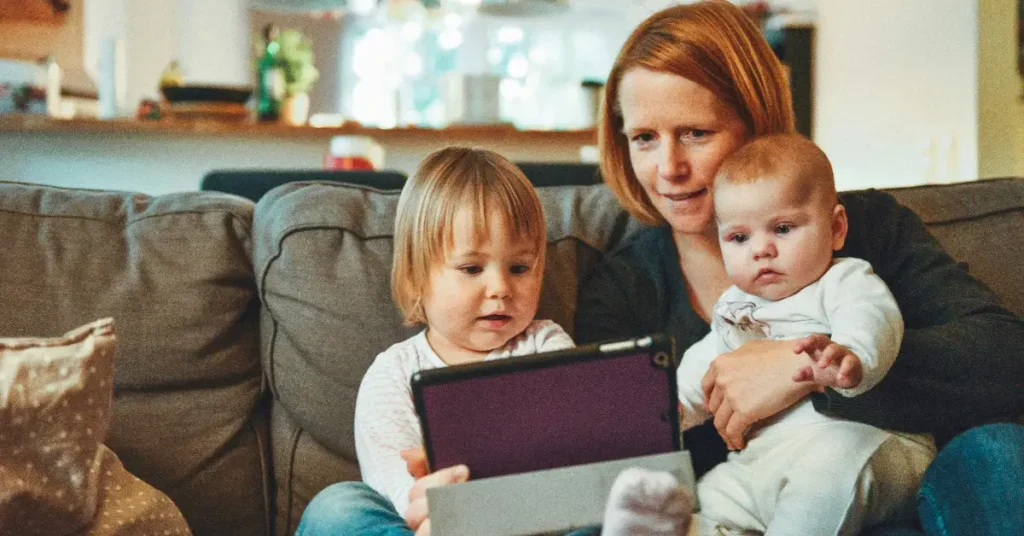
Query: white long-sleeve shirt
[850,303]
[386,422]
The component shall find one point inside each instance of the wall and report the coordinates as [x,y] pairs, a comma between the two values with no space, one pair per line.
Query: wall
[161,163]
[896,90]
[1000,91]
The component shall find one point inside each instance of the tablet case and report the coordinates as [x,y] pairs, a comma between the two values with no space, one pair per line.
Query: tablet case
[589,404]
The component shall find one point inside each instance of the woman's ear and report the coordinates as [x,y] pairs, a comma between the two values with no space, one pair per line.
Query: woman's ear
[839,227]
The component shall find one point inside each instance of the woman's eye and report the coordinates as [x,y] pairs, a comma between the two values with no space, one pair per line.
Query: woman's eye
[783,228]
[470,269]
[643,139]
[695,134]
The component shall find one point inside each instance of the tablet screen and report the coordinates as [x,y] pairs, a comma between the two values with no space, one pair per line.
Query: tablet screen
[585,405]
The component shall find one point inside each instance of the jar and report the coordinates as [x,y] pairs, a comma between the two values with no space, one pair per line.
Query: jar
[354,153]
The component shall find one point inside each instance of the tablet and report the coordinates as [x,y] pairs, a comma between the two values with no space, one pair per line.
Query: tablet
[588,404]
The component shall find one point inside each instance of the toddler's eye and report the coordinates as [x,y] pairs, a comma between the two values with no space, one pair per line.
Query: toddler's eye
[519,269]
[470,269]
[783,228]
[738,238]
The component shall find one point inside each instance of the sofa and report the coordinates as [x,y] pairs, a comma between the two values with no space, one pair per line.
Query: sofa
[243,330]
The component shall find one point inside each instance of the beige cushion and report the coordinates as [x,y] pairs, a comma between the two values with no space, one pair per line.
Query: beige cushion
[127,506]
[55,476]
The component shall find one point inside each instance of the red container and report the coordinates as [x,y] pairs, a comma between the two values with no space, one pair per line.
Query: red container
[332,162]
[353,153]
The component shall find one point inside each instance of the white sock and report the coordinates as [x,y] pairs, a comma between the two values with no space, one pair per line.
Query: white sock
[647,503]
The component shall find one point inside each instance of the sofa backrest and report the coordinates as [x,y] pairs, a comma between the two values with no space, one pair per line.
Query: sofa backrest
[980,224]
[323,266]
[175,273]
[186,275]
[323,260]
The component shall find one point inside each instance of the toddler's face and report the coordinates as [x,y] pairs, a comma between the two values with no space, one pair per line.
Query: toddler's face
[774,240]
[484,293]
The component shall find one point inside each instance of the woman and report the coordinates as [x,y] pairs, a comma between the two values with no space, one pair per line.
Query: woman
[692,84]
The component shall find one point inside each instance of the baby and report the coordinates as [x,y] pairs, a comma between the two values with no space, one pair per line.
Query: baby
[779,223]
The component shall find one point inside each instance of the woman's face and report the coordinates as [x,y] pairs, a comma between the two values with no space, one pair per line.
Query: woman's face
[678,134]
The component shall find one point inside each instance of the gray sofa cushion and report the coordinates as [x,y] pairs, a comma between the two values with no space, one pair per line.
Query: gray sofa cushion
[175,273]
[981,224]
[323,265]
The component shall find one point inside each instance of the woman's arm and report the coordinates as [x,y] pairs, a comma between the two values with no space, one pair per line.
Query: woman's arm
[960,362]
[753,383]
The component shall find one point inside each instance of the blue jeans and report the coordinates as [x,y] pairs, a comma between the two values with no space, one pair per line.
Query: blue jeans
[351,508]
[976,484]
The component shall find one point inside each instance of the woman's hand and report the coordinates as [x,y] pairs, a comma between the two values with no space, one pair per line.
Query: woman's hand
[417,516]
[752,383]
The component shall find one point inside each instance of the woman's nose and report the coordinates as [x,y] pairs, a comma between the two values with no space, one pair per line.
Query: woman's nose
[672,162]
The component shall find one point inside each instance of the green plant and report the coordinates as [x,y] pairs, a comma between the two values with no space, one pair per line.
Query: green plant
[295,56]
[297,60]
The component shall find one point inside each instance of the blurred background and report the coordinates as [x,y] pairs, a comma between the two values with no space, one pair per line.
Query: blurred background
[897,93]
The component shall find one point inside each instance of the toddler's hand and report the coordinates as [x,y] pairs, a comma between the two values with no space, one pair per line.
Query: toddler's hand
[415,461]
[834,364]
[418,514]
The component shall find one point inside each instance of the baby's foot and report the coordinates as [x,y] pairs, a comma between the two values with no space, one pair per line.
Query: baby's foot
[647,503]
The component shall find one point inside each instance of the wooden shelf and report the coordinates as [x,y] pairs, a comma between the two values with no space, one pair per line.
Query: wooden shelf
[132,127]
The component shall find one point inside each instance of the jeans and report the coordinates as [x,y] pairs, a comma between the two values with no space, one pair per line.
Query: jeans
[976,484]
[351,508]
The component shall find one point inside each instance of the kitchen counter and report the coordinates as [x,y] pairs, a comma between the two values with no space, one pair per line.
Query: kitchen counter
[45,124]
[168,155]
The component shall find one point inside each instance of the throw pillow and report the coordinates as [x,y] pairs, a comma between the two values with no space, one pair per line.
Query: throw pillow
[56,478]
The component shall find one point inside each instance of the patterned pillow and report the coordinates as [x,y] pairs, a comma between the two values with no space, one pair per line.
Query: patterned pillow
[56,478]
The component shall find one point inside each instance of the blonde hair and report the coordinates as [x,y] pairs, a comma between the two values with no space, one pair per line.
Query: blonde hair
[717,46]
[447,181]
[789,157]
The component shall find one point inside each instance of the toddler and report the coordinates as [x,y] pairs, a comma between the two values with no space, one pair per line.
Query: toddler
[469,250]
[802,472]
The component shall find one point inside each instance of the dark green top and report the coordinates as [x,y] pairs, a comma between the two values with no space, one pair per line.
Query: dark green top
[960,363]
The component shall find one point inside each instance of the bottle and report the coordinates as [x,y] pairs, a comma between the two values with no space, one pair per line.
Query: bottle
[269,78]
[53,85]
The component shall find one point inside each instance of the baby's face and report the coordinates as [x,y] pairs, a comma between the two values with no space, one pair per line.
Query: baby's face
[775,239]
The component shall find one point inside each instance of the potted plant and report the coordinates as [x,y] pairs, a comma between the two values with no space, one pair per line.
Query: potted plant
[296,57]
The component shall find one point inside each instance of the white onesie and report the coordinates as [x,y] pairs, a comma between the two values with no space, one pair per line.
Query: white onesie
[803,472]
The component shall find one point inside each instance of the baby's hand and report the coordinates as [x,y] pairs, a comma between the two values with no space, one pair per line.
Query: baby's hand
[834,364]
